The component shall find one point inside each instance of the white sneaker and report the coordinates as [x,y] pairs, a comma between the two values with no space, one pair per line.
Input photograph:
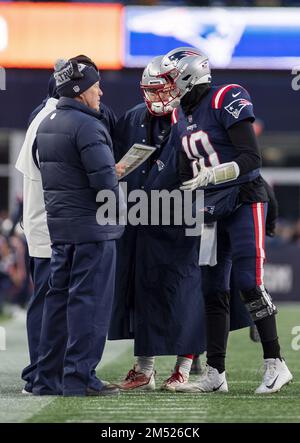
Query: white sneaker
[210,381]
[172,383]
[276,375]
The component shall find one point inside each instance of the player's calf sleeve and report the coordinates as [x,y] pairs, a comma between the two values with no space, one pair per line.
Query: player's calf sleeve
[268,336]
[258,302]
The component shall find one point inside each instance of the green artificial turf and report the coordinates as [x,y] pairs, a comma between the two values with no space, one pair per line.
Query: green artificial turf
[239,405]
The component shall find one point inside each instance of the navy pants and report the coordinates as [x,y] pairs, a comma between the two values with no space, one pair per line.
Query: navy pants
[76,317]
[240,246]
[40,273]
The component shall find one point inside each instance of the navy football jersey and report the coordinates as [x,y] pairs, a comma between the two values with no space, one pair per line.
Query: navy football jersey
[203,132]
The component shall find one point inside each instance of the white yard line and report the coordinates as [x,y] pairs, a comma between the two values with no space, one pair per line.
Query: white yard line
[14,406]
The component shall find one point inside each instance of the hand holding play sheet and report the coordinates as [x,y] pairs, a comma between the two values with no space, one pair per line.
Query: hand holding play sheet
[133,158]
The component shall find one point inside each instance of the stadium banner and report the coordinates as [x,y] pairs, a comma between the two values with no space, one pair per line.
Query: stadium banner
[282,277]
[237,38]
[34,35]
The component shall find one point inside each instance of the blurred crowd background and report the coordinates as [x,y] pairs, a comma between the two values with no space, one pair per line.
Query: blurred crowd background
[277,127]
[15,281]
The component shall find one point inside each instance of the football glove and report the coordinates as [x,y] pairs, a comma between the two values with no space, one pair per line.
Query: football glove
[213,175]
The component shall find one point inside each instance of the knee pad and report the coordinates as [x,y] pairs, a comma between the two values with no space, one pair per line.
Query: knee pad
[258,302]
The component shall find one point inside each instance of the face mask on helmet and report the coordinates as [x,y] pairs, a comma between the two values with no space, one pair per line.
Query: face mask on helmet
[160,92]
[161,98]
[186,67]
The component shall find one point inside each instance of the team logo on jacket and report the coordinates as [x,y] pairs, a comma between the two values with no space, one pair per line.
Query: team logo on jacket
[209,209]
[235,108]
[160,165]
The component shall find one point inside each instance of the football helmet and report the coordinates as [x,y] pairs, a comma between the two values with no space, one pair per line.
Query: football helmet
[159,91]
[186,67]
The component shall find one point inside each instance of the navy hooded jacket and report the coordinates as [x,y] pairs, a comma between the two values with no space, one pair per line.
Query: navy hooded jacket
[76,161]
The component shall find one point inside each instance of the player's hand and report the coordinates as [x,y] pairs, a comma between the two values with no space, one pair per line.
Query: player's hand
[203,178]
[120,169]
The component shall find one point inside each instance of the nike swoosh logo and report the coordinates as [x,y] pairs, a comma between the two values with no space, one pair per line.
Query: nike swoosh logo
[235,95]
[216,389]
[271,386]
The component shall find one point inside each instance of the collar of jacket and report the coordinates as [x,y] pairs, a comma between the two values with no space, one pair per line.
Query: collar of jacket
[71,103]
[149,121]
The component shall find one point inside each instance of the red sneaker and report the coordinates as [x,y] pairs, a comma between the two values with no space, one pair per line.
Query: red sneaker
[176,379]
[137,380]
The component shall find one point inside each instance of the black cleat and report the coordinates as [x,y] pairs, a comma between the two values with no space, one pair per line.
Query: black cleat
[106,390]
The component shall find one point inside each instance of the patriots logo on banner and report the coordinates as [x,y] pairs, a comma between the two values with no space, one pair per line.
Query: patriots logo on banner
[235,108]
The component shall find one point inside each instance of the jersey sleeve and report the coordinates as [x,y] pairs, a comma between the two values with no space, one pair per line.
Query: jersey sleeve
[234,105]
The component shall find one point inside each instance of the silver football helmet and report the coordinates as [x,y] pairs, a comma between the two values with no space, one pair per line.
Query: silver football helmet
[187,67]
[159,91]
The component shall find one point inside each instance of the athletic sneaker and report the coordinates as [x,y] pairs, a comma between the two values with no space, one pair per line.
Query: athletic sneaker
[137,380]
[276,375]
[105,391]
[210,381]
[172,383]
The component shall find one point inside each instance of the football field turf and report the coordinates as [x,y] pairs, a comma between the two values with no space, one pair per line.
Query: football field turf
[239,405]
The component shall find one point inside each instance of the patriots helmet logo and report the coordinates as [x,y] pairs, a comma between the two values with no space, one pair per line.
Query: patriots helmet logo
[235,108]
[181,54]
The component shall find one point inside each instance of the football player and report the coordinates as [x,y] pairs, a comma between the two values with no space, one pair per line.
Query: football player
[214,125]
[158,299]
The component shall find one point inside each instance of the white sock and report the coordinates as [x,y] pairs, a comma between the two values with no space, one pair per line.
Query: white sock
[184,365]
[145,365]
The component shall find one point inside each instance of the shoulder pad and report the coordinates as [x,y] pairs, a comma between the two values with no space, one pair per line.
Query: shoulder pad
[220,93]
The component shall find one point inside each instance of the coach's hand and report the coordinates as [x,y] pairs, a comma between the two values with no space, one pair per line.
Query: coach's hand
[120,169]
